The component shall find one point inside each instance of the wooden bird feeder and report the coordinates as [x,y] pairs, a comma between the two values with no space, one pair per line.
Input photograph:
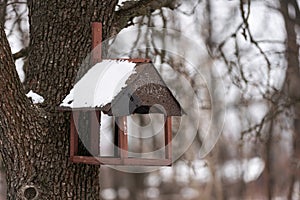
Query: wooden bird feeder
[118,88]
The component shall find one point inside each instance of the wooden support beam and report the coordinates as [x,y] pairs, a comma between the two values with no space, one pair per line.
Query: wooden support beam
[123,136]
[122,161]
[134,60]
[96,42]
[168,137]
[95,133]
[122,143]
[116,140]
[74,134]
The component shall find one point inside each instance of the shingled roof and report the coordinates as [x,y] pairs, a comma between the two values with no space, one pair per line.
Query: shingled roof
[119,88]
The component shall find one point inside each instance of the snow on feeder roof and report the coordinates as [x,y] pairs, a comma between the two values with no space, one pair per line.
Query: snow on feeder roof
[99,85]
[118,88]
[122,87]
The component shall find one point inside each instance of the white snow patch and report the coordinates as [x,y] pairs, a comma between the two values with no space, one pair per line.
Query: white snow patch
[296,193]
[231,170]
[201,172]
[183,172]
[152,193]
[153,180]
[123,193]
[19,66]
[189,193]
[100,84]
[253,169]
[248,170]
[109,194]
[36,98]
[120,4]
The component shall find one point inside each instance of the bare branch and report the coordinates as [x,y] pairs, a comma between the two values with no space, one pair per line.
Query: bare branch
[22,53]
[294,3]
[12,3]
[192,11]
[131,9]
[19,17]
[247,29]
[3,6]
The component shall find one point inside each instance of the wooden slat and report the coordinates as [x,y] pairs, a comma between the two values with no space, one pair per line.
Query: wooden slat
[147,162]
[86,160]
[73,134]
[121,161]
[83,109]
[168,137]
[116,140]
[134,60]
[95,133]
[123,136]
[96,42]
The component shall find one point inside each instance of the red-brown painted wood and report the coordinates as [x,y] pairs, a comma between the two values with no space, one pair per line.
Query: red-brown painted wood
[123,145]
[134,60]
[122,161]
[73,135]
[96,42]
[95,133]
[168,137]
[86,160]
[116,139]
[123,136]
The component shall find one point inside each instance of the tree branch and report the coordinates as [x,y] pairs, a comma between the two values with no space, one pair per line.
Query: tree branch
[20,54]
[131,9]
[3,5]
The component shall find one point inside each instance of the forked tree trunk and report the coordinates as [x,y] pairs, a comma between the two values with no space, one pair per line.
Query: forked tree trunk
[34,139]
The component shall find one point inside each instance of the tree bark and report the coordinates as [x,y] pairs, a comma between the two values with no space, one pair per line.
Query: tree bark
[34,139]
[291,86]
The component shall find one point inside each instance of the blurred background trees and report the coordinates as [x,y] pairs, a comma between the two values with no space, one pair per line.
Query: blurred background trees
[241,57]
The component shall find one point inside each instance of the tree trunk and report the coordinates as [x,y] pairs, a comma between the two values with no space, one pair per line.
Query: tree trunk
[291,86]
[34,139]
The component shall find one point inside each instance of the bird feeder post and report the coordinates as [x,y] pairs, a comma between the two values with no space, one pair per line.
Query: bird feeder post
[95,132]
[116,140]
[96,42]
[73,135]
[168,137]
[123,138]
[96,115]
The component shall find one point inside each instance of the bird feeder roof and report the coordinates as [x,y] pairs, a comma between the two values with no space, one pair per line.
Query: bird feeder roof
[122,87]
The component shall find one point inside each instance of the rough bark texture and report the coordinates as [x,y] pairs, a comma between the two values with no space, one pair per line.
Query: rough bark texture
[34,139]
[131,9]
[291,87]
